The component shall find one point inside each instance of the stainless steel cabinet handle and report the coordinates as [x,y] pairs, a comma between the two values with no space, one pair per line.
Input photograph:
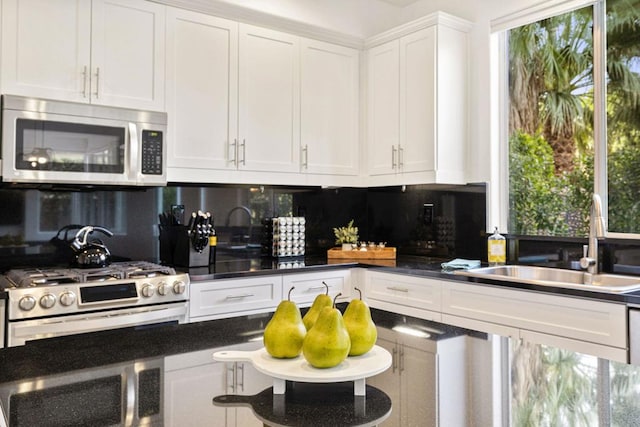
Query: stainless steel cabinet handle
[395,288]
[401,358]
[84,82]
[305,158]
[240,384]
[400,157]
[231,374]
[239,296]
[244,152]
[316,288]
[394,150]
[97,82]
[394,358]
[233,160]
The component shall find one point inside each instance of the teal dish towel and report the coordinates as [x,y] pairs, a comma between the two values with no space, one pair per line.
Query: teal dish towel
[460,264]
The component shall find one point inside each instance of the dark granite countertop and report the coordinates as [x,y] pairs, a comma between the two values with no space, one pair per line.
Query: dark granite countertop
[404,264]
[97,349]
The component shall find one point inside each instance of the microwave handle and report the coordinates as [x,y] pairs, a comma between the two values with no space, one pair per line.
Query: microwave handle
[132,164]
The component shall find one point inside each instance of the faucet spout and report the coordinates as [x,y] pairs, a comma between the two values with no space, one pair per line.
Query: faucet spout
[597,231]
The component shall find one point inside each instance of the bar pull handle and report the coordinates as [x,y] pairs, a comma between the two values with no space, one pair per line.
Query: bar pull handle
[394,151]
[395,288]
[97,92]
[239,296]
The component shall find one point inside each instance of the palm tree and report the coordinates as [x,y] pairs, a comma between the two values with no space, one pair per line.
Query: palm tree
[550,82]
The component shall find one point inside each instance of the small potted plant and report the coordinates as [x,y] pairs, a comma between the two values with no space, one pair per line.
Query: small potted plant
[346,236]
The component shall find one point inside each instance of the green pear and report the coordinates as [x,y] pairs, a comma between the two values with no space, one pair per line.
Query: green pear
[327,343]
[321,301]
[362,330]
[285,332]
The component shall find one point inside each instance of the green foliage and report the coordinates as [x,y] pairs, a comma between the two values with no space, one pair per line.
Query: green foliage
[348,234]
[538,198]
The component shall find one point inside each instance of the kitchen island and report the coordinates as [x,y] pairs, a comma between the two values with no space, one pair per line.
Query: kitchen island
[61,369]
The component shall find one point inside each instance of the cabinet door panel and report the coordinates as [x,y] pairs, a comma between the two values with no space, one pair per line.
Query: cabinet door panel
[417,101]
[51,35]
[269,100]
[329,108]
[189,393]
[202,64]
[384,108]
[128,52]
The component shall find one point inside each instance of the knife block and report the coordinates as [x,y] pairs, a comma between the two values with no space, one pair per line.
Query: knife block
[176,248]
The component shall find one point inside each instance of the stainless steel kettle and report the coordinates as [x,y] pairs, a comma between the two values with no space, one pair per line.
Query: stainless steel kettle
[91,254]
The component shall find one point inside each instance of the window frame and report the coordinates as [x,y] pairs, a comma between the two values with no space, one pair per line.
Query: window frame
[498,194]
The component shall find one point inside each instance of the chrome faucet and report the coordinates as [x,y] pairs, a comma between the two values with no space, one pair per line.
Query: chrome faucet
[597,230]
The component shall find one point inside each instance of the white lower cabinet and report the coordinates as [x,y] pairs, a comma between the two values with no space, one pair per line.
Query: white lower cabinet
[584,325]
[218,299]
[414,296]
[426,377]
[192,380]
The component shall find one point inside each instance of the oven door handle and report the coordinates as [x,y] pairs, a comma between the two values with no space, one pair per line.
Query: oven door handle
[22,331]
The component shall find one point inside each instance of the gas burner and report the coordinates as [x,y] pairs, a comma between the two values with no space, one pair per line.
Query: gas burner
[34,277]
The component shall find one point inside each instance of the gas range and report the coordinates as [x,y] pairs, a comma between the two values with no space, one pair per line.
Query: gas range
[61,301]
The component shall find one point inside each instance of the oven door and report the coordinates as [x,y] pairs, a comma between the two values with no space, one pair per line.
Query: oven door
[117,395]
[19,332]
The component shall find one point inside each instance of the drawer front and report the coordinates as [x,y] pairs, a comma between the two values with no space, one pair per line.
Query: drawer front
[580,319]
[231,296]
[308,286]
[410,291]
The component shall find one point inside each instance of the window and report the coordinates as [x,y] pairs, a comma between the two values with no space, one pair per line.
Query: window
[556,116]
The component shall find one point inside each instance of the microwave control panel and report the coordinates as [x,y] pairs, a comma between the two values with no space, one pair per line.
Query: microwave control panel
[151,152]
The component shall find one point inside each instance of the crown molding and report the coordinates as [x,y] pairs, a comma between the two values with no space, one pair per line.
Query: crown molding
[436,18]
[250,16]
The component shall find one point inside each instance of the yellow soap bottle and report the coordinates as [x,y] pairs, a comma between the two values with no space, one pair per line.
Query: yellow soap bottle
[496,249]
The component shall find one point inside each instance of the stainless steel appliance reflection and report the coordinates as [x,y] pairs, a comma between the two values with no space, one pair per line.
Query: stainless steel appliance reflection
[124,394]
[46,303]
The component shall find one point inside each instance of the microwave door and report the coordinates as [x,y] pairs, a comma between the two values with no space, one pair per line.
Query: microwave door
[51,148]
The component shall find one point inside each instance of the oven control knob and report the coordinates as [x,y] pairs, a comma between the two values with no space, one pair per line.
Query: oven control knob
[178,287]
[27,303]
[148,291]
[47,300]
[163,288]
[67,298]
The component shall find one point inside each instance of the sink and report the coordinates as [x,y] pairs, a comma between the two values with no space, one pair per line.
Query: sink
[556,277]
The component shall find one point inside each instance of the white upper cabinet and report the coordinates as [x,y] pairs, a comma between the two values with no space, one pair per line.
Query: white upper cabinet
[202,90]
[384,108]
[417,107]
[269,101]
[108,52]
[329,108]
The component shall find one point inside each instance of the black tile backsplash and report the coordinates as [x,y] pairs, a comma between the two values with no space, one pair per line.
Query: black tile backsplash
[30,218]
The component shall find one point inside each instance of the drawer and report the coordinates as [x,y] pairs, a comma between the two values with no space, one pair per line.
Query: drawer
[220,298]
[307,286]
[386,291]
[578,319]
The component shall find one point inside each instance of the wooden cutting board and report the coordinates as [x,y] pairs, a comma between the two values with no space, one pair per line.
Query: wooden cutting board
[384,253]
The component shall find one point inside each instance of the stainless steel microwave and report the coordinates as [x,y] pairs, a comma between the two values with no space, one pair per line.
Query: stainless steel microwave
[57,142]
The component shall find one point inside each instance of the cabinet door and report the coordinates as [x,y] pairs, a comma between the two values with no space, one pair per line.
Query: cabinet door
[202,85]
[269,101]
[128,54]
[189,393]
[418,385]
[389,380]
[383,108]
[329,108]
[417,101]
[46,48]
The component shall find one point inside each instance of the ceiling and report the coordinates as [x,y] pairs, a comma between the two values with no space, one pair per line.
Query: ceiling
[400,3]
